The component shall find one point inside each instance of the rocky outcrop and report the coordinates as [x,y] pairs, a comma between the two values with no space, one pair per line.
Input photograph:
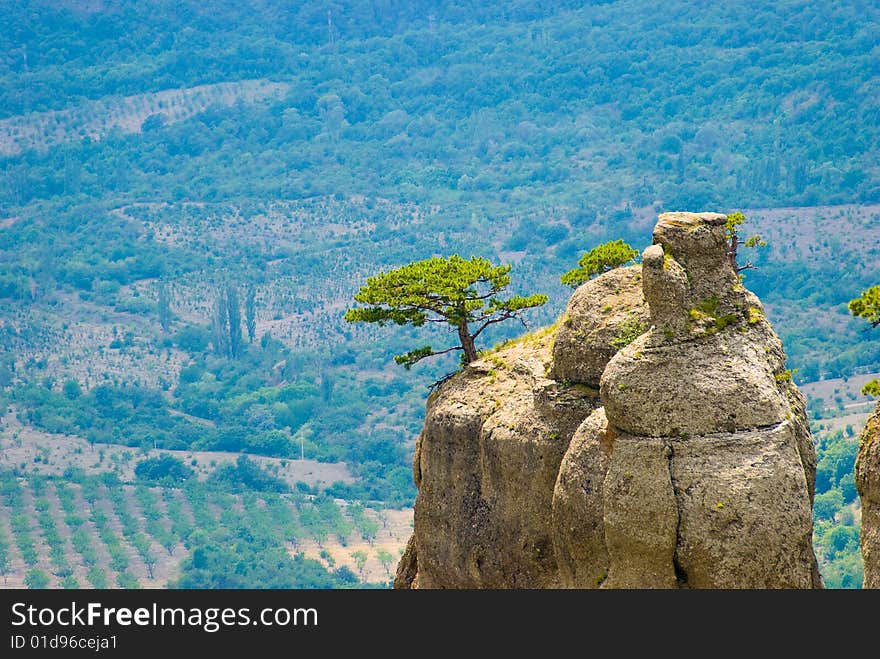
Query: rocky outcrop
[485,467]
[868,485]
[693,466]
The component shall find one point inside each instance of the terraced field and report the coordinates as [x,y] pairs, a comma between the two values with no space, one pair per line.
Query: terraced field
[126,114]
[98,534]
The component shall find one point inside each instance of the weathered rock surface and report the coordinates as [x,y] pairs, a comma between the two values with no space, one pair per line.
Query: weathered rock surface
[640,514]
[578,505]
[599,318]
[696,471]
[485,464]
[868,485]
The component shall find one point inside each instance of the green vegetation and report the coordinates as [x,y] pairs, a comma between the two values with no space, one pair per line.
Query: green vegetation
[454,291]
[734,242]
[164,470]
[707,315]
[755,315]
[867,306]
[261,403]
[246,475]
[36,579]
[228,540]
[600,259]
[153,296]
[630,329]
[5,564]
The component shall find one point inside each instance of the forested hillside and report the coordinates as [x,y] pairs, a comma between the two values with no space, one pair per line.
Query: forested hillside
[190,194]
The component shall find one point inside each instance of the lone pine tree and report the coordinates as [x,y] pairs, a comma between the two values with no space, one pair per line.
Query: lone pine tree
[734,242]
[603,258]
[465,294]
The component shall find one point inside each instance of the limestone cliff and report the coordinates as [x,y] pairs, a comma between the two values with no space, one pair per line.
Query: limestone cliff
[868,485]
[691,465]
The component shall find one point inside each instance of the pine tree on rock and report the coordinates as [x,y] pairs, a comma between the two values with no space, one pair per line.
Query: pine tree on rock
[600,259]
[867,306]
[463,293]
[734,242]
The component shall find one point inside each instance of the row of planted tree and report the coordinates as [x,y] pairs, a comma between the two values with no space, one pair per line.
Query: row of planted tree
[95,532]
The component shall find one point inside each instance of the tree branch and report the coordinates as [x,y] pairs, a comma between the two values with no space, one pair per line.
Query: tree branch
[443,352]
[423,307]
[445,378]
[498,319]
[415,356]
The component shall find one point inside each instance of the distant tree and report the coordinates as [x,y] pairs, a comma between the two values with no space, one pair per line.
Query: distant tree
[250,313]
[149,562]
[360,559]
[5,566]
[36,579]
[70,583]
[600,259]
[127,580]
[193,339]
[326,386]
[368,527]
[734,221]
[165,469]
[153,122]
[233,311]
[246,474]
[164,306]
[320,533]
[71,389]
[168,542]
[448,290]
[386,559]
[346,577]
[867,306]
[7,371]
[827,504]
[97,577]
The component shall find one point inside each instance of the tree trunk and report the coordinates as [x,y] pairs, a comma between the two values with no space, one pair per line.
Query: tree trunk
[732,248]
[467,342]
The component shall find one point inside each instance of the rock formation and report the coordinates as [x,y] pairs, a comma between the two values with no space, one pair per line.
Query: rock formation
[868,485]
[488,457]
[691,466]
